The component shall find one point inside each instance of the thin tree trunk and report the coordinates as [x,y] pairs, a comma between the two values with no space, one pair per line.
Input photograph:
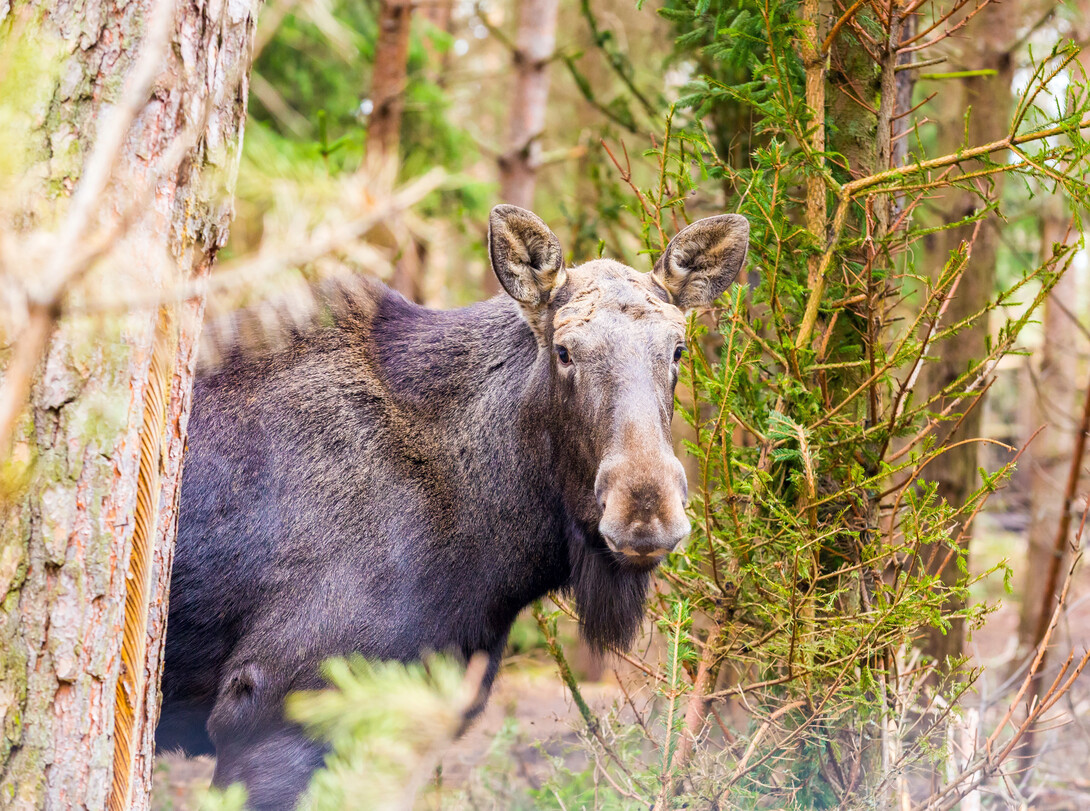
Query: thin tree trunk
[534,46]
[987,40]
[439,13]
[1053,405]
[388,79]
[865,141]
[87,542]
[388,82]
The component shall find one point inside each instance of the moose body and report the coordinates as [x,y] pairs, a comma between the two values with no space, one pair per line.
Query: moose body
[407,480]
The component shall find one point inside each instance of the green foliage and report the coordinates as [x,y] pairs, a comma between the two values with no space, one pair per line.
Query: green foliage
[674,686]
[232,798]
[384,723]
[320,64]
[307,128]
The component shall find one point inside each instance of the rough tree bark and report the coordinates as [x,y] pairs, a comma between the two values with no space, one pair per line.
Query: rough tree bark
[986,46]
[86,545]
[534,46]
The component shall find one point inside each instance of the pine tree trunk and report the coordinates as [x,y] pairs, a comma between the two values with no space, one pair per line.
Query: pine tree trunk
[987,40]
[86,545]
[391,72]
[534,46]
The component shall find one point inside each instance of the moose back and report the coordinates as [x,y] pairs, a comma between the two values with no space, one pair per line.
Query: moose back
[405,480]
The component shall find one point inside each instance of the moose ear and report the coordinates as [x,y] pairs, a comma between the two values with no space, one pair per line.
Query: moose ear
[526,257]
[703,259]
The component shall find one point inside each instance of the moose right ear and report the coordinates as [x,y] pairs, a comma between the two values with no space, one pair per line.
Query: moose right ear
[526,258]
[703,260]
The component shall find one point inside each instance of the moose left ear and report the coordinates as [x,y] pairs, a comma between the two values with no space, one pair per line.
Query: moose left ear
[703,259]
[526,255]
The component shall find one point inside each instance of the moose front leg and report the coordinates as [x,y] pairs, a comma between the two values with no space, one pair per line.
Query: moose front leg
[256,745]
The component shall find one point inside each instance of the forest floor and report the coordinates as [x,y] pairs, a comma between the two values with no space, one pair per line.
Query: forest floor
[532,713]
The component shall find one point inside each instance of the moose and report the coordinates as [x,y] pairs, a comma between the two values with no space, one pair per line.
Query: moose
[398,480]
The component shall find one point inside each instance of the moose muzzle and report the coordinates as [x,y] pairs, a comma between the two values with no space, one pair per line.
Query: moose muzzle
[642,498]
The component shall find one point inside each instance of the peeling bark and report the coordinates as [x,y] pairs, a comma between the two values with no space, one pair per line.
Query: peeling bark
[67,539]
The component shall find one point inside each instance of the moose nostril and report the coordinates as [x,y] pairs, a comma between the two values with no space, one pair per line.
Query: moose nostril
[601,483]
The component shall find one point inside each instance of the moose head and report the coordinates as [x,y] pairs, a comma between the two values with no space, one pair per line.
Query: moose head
[614,339]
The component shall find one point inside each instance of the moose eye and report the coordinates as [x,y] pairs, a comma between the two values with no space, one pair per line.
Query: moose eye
[678,352]
[563,356]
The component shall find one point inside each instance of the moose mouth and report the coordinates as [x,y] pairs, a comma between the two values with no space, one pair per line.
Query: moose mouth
[639,560]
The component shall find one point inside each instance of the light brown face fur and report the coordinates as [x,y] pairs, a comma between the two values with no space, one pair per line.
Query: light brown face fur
[620,336]
[603,291]
[613,338]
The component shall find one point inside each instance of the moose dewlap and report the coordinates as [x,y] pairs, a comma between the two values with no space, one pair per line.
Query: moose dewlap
[407,480]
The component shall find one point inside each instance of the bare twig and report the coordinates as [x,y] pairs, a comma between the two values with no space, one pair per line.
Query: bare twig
[232,275]
[849,191]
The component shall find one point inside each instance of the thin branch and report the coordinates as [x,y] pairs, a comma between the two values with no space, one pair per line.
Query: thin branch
[845,17]
[849,190]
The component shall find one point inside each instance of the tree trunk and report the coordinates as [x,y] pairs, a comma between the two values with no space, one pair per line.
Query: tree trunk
[439,13]
[388,82]
[534,46]
[987,40]
[86,544]
[1053,405]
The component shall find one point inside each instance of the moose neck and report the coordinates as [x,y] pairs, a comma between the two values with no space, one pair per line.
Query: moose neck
[472,387]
